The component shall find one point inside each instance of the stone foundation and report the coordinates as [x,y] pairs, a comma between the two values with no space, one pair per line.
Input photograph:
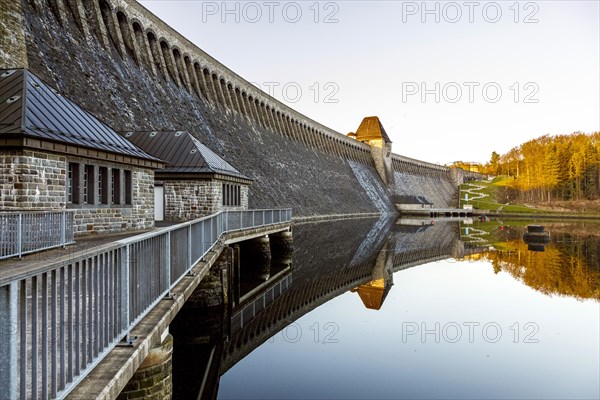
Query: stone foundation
[212,291]
[255,259]
[153,379]
[282,247]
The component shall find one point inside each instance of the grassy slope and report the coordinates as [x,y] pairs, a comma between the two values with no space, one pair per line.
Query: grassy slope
[489,201]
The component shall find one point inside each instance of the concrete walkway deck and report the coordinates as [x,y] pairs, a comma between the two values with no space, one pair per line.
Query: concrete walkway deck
[82,243]
[114,371]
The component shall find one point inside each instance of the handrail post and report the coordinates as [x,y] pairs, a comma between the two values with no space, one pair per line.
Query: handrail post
[125,306]
[202,239]
[19,235]
[63,228]
[8,340]
[168,263]
[189,263]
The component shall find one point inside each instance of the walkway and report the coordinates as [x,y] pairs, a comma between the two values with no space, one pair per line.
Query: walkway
[68,314]
[83,243]
[474,193]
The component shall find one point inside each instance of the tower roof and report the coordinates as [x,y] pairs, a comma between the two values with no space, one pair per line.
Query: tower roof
[183,153]
[371,129]
[373,294]
[31,108]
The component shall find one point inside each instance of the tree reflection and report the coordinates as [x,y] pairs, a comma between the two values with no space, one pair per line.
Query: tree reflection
[569,266]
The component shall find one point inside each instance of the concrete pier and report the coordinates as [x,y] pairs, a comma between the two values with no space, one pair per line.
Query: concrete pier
[153,379]
[255,258]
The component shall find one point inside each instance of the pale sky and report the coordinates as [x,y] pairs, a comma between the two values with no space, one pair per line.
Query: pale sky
[352,59]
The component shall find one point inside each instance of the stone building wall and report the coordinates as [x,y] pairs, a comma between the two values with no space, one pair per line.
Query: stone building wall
[37,181]
[32,180]
[190,199]
[115,218]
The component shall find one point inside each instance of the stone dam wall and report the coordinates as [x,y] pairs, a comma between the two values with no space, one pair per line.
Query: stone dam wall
[131,70]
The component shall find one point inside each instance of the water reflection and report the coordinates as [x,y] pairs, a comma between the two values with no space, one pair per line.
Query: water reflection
[374,292]
[568,265]
[358,258]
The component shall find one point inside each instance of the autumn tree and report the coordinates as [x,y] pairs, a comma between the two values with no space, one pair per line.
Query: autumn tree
[565,167]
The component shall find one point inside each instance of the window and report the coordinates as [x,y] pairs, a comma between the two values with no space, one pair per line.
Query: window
[231,194]
[85,185]
[128,188]
[73,184]
[115,186]
[95,185]
[70,183]
[103,185]
[88,185]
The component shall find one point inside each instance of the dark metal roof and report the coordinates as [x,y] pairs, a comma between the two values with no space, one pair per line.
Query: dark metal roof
[29,107]
[183,153]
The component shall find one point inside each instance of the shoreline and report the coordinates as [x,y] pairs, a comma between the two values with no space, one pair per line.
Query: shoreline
[526,215]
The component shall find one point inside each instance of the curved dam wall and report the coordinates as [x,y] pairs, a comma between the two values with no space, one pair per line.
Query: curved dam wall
[134,72]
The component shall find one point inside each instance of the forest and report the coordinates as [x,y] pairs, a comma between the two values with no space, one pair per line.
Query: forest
[562,167]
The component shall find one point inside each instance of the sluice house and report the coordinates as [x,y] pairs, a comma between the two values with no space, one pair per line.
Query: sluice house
[195,181]
[54,155]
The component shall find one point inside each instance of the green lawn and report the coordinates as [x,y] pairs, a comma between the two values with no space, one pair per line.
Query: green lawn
[489,201]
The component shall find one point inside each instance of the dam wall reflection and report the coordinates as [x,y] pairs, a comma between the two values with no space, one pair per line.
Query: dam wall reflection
[328,259]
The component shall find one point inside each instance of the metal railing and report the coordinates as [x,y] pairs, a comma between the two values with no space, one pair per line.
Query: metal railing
[58,321]
[28,232]
[248,311]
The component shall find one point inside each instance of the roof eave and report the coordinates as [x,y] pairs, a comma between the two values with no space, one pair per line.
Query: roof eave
[162,174]
[32,142]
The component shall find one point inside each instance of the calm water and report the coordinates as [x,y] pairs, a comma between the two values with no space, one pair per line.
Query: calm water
[383,309]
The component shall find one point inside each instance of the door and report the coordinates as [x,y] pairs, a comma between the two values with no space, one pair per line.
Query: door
[159,203]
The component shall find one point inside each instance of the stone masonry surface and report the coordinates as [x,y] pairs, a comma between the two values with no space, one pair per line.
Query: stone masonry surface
[293,166]
[190,199]
[35,180]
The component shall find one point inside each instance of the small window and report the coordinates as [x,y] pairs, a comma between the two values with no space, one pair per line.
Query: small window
[88,185]
[70,183]
[73,184]
[231,195]
[128,188]
[103,185]
[115,186]
[85,185]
